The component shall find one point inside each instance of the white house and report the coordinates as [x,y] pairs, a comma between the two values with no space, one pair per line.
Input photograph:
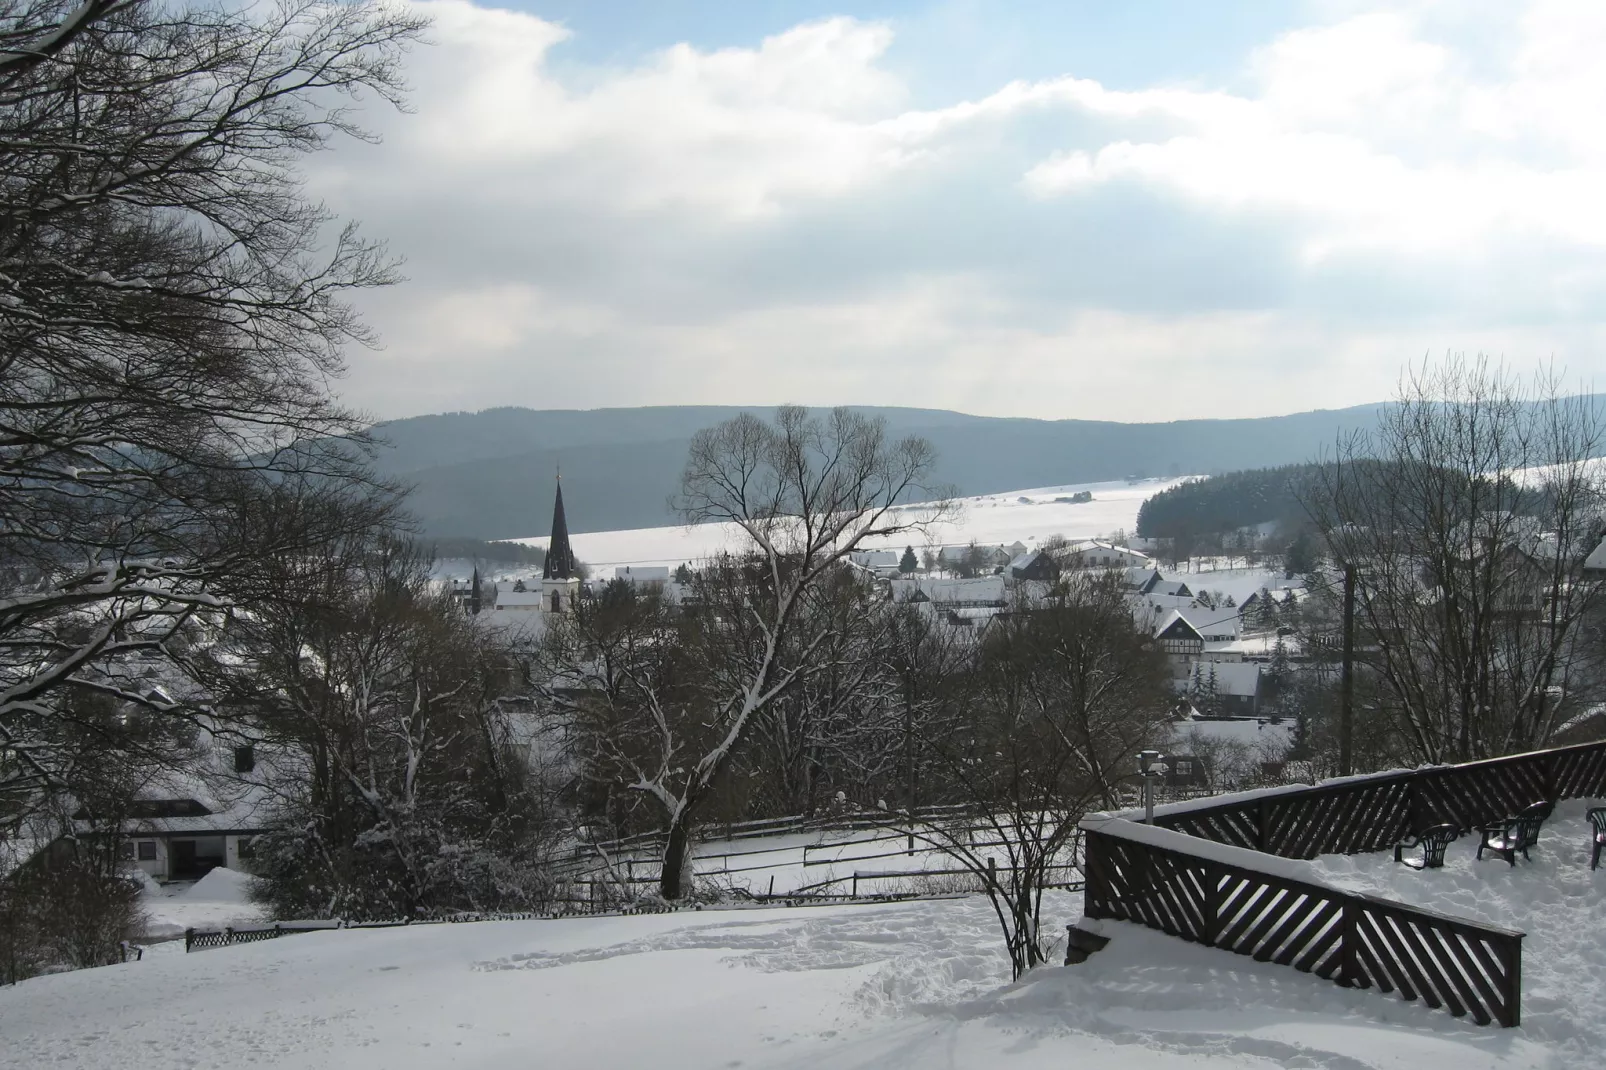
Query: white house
[1091,553]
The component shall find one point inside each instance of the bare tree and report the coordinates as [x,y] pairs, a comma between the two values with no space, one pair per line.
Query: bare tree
[1466,517]
[804,493]
[170,316]
[1062,698]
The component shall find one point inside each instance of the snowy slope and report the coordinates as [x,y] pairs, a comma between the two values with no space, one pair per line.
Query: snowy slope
[906,987]
[988,518]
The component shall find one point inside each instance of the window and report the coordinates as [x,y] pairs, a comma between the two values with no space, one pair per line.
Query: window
[557,605]
[125,851]
[1184,767]
[247,846]
[147,850]
[245,759]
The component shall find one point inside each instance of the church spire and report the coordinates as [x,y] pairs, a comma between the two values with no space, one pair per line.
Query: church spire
[474,592]
[559,556]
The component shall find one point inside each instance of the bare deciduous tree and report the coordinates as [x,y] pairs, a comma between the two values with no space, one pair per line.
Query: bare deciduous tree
[1062,698]
[170,316]
[1466,516]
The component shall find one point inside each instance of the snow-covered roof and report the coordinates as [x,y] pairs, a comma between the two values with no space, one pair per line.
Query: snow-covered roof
[642,573]
[1239,679]
[1214,625]
[1596,561]
[511,599]
[986,589]
[1253,731]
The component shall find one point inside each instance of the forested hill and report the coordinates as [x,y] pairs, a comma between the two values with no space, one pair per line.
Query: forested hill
[1227,502]
[490,474]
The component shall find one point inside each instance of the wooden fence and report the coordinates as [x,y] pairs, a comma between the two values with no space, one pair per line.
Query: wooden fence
[1370,813]
[1354,940]
[1188,890]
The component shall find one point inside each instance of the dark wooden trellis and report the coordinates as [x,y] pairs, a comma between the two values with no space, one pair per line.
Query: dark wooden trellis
[1371,813]
[1354,940]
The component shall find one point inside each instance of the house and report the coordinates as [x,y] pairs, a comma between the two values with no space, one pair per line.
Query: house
[1184,771]
[511,599]
[1222,689]
[1037,565]
[987,558]
[979,591]
[1181,642]
[642,574]
[1146,579]
[187,822]
[1091,553]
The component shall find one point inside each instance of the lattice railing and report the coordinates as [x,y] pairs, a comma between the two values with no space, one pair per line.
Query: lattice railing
[1370,813]
[1227,901]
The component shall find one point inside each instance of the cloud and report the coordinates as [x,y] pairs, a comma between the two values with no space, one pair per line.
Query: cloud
[778,222]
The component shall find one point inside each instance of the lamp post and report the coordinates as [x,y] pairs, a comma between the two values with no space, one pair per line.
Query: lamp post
[1150,768]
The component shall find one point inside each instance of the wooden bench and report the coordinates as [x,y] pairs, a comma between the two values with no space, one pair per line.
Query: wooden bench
[1597,819]
[1431,841]
[1506,838]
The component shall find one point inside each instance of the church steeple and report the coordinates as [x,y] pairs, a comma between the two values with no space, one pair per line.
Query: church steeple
[474,593]
[559,556]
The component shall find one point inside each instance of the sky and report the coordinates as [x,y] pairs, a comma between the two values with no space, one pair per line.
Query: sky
[1152,210]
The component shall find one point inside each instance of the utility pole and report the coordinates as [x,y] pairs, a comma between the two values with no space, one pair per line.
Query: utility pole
[1346,702]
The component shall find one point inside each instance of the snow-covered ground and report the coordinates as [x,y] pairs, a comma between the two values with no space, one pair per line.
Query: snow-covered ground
[1027,516]
[216,900]
[1555,899]
[826,862]
[916,985]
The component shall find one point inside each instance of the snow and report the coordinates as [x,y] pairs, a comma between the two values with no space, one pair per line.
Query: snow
[1260,733]
[825,862]
[221,898]
[1027,516]
[1556,899]
[899,987]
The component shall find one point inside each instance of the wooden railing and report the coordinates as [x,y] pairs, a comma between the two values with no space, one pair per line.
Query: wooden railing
[1229,892]
[1370,813]
[1250,904]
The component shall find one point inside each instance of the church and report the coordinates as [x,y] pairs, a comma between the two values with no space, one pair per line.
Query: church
[560,577]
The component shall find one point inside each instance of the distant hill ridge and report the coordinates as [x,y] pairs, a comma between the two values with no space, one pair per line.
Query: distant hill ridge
[490,474]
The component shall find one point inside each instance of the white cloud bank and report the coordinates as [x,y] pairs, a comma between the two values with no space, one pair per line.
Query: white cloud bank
[778,223]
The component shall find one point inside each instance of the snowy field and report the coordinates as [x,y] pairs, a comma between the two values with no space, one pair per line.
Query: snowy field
[914,986]
[1027,516]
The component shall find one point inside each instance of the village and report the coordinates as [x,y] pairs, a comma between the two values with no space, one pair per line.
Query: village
[587,533]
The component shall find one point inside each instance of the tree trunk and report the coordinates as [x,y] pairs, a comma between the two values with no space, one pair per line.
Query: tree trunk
[674,879]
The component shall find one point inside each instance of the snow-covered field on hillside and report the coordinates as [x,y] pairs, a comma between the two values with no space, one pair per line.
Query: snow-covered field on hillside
[912,986]
[1024,515]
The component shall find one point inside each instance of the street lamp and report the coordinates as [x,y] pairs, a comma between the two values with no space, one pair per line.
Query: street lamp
[1150,768]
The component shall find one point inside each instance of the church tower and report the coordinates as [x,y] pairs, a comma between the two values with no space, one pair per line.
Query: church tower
[560,580]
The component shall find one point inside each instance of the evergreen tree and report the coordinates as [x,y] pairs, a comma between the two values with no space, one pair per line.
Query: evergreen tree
[908,562]
[1300,557]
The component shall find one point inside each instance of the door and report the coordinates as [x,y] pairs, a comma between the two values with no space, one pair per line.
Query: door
[181,859]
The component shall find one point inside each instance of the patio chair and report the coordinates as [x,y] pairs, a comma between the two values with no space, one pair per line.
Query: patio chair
[1597,821]
[1431,841]
[1506,838]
